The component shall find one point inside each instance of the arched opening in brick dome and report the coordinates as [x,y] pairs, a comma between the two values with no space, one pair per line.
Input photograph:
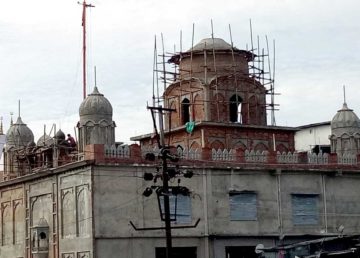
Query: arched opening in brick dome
[235,109]
[185,110]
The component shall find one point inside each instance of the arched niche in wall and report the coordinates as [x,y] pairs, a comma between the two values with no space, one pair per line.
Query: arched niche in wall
[260,147]
[333,142]
[173,116]
[345,143]
[41,207]
[217,144]
[83,210]
[67,213]
[281,148]
[239,145]
[19,221]
[218,108]
[357,142]
[6,224]
[199,112]
[195,145]
[89,129]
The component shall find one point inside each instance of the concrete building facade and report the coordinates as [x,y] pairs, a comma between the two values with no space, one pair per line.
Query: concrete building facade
[89,204]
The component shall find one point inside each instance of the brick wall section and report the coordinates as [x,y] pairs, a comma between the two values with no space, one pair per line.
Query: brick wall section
[210,89]
[217,107]
[95,152]
[224,65]
[219,136]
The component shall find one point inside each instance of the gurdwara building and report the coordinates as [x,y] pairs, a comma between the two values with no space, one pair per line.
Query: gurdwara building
[249,184]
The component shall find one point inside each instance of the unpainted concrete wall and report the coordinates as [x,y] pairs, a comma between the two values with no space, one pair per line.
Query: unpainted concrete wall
[118,200]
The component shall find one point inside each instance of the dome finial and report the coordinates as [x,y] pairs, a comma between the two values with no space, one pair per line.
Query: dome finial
[95,91]
[95,75]
[11,118]
[344,94]
[19,107]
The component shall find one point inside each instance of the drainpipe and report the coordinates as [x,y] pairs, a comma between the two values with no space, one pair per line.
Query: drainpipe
[206,222]
[324,200]
[278,177]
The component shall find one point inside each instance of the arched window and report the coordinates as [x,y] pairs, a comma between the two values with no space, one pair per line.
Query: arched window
[185,109]
[235,108]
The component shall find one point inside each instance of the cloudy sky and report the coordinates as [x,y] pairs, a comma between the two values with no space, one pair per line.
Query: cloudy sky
[317,51]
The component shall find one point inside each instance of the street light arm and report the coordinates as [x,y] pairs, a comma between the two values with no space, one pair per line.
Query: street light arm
[160,228]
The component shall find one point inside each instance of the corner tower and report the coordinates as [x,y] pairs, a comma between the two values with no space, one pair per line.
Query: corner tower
[345,132]
[18,138]
[96,125]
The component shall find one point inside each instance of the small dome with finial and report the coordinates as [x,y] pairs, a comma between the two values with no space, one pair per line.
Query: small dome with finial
[95,108]
[345,131]
[345,118]
[19,135]
[60,135]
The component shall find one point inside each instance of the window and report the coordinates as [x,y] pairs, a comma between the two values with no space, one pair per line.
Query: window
[243,205]
[185,109]
[176,252]
[305,209]
[183,208]
[235,108]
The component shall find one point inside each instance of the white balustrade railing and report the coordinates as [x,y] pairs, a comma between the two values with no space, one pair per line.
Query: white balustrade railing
[289,157]
[120,151]
[256,156]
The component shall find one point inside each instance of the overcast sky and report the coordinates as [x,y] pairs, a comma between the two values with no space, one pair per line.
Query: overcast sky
[317,51]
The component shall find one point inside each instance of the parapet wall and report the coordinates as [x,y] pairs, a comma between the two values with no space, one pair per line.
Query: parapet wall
[230,157]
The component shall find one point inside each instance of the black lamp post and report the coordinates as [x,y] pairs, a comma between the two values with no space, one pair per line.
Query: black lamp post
[165,191]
